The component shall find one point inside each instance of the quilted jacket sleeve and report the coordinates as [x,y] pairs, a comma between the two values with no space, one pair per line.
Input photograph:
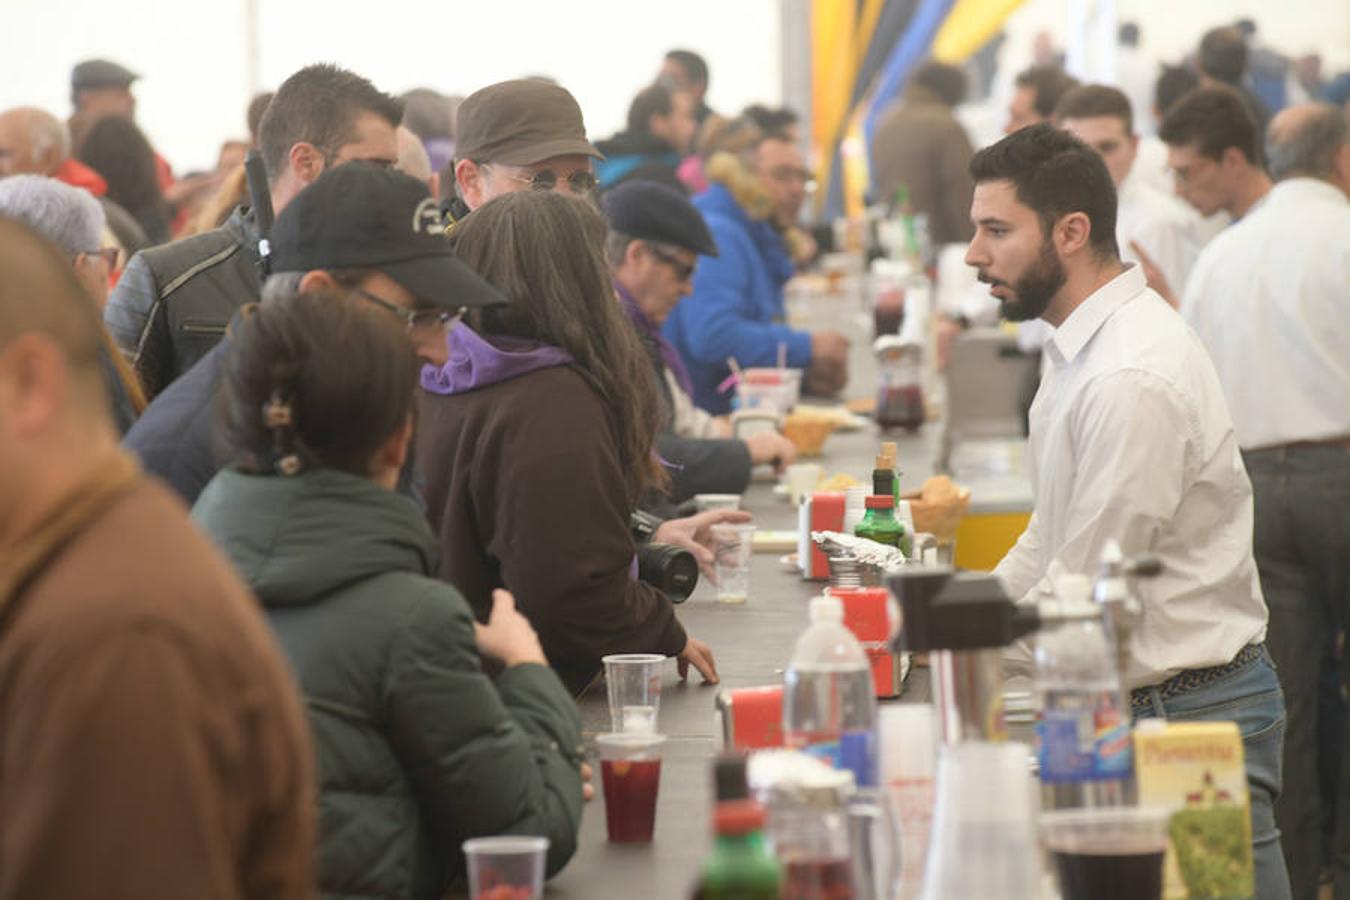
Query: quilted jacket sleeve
[484,758]
[136,320]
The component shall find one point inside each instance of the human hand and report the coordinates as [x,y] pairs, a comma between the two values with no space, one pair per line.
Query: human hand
[1154,275]
[700,656]
[771,447]
[508,635]
[587,788]
[694,533]
[828,372]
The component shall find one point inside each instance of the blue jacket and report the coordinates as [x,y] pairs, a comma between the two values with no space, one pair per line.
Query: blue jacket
[736,308]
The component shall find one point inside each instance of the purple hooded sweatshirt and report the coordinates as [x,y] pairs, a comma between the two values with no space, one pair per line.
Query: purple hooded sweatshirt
[477,361]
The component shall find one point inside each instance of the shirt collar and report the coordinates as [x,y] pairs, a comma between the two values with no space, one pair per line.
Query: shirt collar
[1069,339]
[1306,189]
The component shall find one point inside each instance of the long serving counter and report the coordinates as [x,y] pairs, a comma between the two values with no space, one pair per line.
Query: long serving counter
[752,644]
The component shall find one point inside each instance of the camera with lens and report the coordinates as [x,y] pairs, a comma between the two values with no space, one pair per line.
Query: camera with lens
[670,568]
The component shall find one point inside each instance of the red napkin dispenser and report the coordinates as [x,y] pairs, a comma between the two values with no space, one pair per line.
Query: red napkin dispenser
[752,718]
[866,615]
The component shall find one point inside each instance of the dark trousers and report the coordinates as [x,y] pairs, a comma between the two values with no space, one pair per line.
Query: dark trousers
[1302,544]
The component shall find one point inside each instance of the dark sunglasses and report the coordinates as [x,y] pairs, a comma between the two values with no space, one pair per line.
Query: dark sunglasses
[683,270]
[412,318]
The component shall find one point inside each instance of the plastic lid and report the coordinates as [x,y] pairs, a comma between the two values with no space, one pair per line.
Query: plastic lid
[826,608]
[880,501]
[738,817]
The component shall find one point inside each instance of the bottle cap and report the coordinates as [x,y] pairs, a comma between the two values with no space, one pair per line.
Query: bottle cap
[825,608]
[880,501]
[738,817]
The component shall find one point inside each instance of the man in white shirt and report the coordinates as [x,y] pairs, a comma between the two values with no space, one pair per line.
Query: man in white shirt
[1148,223]
[1131,441]
[1270,299]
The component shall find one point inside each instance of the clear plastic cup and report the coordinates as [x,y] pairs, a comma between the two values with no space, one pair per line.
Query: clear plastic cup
[510,867]
[907,735]
[709,502]
[767,389]
[634,683]
[1108,853]
[733,543]
[630,775]
[983,840]
[801,480]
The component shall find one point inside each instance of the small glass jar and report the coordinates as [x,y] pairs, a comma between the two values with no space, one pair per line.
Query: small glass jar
[808,823]
[900,402]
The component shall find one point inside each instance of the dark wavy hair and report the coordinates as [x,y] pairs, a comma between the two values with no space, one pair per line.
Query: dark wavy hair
[544,251]
[119,151]
[1054,174]
[345,368]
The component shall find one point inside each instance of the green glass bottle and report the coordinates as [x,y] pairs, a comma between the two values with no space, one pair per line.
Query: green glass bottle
[880,524]
[740,867]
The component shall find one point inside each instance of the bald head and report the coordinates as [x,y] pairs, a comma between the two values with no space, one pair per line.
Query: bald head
[412,156]
[1310,140]
[32,142]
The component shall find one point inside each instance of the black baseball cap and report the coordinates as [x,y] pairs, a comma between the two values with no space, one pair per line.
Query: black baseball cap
[652,211]
[364,216]
[520,123]
[98,73]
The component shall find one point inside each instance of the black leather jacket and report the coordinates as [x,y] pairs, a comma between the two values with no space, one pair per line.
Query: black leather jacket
[172,303]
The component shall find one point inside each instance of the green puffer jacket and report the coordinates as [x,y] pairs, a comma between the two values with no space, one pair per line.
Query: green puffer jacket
[417,748]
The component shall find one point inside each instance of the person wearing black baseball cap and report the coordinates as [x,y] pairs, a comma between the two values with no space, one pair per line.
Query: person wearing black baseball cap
[655,239]
[520,135]
[359,228]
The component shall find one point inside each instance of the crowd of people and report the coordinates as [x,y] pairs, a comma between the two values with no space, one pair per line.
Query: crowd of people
[429,384]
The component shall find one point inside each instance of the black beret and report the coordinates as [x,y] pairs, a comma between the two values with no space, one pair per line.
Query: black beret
[98,73]
[651,211]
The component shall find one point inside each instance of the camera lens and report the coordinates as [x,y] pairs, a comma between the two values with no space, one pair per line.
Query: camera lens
[670,568]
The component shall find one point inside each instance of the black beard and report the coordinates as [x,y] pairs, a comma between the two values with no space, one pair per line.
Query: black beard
[1032,292]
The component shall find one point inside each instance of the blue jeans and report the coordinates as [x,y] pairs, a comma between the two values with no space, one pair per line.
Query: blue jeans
[1251,697]
[1302,544]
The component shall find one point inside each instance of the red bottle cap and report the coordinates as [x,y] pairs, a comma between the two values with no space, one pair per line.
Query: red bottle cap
[738,817]
[879,501]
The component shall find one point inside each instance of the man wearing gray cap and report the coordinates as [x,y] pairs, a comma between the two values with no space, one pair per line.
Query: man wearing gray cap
[655,238]
[518,135]
[98,88]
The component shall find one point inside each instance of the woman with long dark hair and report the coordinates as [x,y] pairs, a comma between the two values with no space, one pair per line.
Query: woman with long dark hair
[417,748]
[537,440]
[118,150]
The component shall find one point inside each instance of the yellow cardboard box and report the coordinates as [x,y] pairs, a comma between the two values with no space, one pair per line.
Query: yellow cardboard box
[1196,770]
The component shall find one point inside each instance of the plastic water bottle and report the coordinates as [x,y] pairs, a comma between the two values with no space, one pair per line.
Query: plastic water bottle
[1083,730]
[829,701]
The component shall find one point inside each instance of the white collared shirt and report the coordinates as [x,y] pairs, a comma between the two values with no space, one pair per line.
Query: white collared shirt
[1131,440]
[1168,230]
[1270,299]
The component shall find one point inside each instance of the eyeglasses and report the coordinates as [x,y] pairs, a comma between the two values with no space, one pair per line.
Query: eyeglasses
[579,182]
[109,255]
[683,270]
[412,318]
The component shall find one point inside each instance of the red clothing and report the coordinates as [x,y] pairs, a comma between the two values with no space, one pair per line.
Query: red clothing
[77,174]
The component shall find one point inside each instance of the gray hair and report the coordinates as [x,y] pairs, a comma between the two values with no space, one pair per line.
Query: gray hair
[1308,145]
[67,216]
[616,247]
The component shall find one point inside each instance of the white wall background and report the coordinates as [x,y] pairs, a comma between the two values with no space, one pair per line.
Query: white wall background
[197,76]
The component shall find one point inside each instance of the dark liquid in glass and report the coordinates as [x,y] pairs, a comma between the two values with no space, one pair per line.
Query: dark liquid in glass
[1110,876]
[630,798]
[887,319]
[900,407]
[818,879]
